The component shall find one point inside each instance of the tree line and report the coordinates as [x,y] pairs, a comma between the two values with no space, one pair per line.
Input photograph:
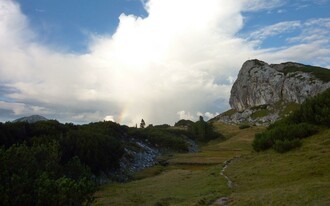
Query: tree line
[49,163]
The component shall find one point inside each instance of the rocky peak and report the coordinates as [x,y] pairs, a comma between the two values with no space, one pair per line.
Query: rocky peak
[264,92]
[259,83]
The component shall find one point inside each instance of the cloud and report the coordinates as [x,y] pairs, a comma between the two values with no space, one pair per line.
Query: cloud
[313,30]
[258,5]
[185,115]
[150,68]
[275,29]
[306,41]
[178,62]
[314,52]
[109,118]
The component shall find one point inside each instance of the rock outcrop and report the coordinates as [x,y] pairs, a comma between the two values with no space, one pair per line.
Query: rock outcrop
[259,83]
[262,91]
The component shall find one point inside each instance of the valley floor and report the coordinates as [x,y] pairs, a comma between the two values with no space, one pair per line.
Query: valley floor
[299,177]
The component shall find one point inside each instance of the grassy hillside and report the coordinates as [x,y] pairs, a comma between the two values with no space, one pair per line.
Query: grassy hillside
[298,177]
[189,179]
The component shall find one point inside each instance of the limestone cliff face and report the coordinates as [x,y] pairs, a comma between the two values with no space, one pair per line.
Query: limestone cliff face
[259,83]
[264,93]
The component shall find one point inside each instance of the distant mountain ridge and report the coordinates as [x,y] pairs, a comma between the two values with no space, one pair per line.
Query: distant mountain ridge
[31,119]
[266,92]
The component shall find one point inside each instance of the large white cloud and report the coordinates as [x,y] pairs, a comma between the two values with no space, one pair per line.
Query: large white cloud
[179,61]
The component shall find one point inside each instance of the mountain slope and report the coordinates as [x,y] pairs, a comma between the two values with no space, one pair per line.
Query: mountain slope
[187,179]
[298,177]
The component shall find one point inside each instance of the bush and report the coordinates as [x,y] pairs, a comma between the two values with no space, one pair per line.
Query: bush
[244,126]
[285,134]
[282,146]
[184,123]
[99,151]
[35,176]
[261,142]
[163,138]
[319,72]
[203,131]
[315,110]
[267,139]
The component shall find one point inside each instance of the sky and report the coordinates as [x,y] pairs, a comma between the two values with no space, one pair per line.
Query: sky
[160,60]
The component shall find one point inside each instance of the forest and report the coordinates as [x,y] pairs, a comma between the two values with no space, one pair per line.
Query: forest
[50,163]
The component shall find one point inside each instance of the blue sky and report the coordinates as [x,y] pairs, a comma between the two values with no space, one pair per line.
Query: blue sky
[67,24]
[293,10]
[161,60]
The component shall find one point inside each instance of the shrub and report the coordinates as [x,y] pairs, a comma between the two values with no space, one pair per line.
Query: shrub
[285,134]
[282,132]
[35,176]
[261,142]
[319,72]
[203,131]
[244,126]
[99,151]
[315,110]
[164,138]
[282,146]
[184,123]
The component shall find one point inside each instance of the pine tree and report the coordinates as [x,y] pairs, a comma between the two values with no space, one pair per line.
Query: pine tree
[142,124]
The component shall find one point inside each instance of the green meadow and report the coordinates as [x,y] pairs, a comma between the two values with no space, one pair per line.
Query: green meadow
[298,177]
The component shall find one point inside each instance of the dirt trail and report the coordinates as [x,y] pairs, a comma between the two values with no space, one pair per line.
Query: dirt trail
[224,201]
[222,173]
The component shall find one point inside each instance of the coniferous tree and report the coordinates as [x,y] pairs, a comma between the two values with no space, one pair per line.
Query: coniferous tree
[142,124]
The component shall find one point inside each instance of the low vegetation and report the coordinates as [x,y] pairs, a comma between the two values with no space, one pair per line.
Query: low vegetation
[49,163]
[183,123]
[260,113]
[298,177]
[319,72]
[286,134]
[36,176]
[283,138]
[203,131]
[244,126]
[187,179]
[164,139]
[171,187]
